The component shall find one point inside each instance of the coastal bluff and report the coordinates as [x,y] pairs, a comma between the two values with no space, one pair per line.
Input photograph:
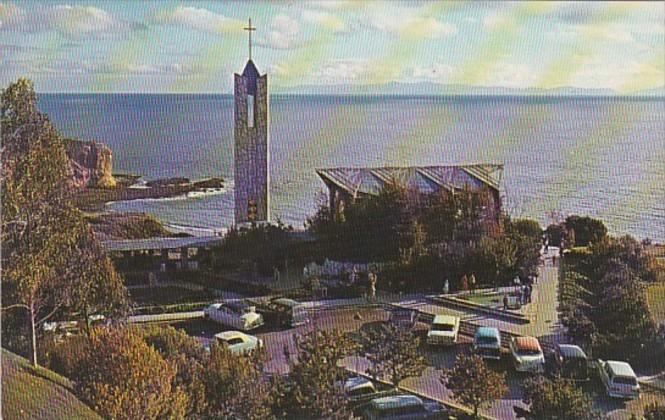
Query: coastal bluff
[91,163]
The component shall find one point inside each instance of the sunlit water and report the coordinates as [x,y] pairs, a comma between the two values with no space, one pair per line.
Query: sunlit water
[597,156]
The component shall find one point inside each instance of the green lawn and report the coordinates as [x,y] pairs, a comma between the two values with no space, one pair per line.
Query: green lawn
[656,298]
[483,299]
[29,393]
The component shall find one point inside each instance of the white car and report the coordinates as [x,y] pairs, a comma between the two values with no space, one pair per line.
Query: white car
[619,379]
[238,342]
[527,354]
[235,314]
[358,387]
[444,330]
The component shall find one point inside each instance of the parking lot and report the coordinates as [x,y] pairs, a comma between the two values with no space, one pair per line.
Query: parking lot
[439,358]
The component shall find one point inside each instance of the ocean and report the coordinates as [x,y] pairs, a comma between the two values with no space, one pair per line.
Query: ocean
[602,157]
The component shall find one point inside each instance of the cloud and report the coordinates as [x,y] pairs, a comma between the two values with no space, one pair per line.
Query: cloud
[283,34]
[199,19]
[325,19]
[408,22]
[436,72]
[344,71]
[64,66]
[71,21]
[618,75]
[335,4]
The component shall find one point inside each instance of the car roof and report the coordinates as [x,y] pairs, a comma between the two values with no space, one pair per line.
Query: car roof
[620,368]
[356,381]
[445,319]
[488,332]
[228,335]
[395,401]
[527,343]
[570,351]
[286,302]
[237,305]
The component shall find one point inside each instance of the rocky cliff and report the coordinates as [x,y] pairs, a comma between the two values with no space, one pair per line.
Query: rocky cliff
[91,164]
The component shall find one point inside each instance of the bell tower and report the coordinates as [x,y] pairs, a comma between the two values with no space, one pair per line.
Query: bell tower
[251,142]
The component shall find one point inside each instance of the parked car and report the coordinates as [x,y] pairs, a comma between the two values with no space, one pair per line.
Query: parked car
[619,379]
[403,406]
[513,301]
[235,314]
[406,318]
[357,386]
[487,343]
[570,362]
[444,330]
[527,354]
[360,390]
[238,342]
[293,312]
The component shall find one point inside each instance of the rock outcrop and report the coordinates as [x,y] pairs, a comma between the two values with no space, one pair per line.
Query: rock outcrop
[91,164]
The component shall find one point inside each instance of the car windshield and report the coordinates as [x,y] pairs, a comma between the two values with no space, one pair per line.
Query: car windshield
[625,380]
[486,340]
[363,390]
[233,341]
[442,327]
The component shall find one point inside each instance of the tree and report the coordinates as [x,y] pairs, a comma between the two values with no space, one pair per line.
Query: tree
[312,389]
[556,234]
[235,385]
[558,399]
[393,353]
[473,383]
[48,258]
[124,378]
[497,256]
[654,412]
[527,235]
[190,361]
[587,230]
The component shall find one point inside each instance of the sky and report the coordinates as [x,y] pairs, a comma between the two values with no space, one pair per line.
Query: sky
[196,46]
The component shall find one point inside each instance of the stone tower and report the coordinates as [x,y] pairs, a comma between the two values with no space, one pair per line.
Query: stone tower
[251,143]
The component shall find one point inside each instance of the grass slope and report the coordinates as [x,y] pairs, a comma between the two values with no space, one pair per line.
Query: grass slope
[29,393]
[656,299]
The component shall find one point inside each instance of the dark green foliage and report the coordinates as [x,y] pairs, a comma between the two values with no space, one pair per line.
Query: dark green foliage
[586,230]
[556,233]
[558,399]
[429,238]
[473,383]
[393,353]
[257,249]
[603,301]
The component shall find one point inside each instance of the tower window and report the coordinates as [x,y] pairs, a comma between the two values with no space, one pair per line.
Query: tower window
[250,110]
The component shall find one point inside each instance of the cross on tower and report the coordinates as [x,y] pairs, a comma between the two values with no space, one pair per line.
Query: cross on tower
[250,29]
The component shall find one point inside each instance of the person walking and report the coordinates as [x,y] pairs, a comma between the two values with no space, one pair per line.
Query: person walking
[465,283]
[472,281]
[446,287]
[505,302]
[372,285]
